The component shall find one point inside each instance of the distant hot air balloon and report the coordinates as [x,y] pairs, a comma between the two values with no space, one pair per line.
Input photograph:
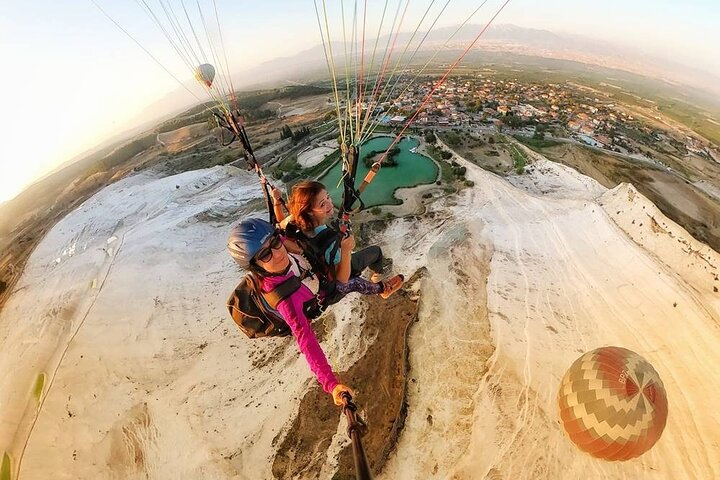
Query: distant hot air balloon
[205,73]
[613,404]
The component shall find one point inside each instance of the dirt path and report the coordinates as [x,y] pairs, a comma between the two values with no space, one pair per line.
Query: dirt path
[380,379]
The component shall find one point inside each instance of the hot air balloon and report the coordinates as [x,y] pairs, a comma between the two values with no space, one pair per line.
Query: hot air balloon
[613,404]
[205,73]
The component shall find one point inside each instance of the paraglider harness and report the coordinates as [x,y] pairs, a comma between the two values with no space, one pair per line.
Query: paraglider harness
[255,311]
[232,123]
[350,194]
[314,249]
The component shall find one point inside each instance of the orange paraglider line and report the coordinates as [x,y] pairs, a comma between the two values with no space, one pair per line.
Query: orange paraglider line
[437,85]
[374,125]
[361,78]
[382,97]
[386,62]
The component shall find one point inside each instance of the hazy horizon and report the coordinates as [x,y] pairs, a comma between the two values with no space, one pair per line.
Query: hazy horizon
[80,80]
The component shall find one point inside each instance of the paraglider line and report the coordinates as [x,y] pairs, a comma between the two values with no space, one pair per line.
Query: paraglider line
[223,84]
[348,103]
[179,33]
[372,59]
[330,65]
[402,74]
[145,50]
[440,82]
[362,72]
[402,55]
[192,29]
[386,61]
[371,131]
[185,57]
[224,52]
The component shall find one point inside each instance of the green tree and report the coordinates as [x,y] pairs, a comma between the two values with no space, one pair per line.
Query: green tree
[513,121]
[453,139]
[286,132]
[519,159]
[540,130]
[212,123]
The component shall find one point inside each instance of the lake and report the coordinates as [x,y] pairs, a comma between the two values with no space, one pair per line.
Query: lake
[412,169]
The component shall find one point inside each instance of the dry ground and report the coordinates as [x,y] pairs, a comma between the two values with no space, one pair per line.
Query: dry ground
[178,139]
[293,107]
[17,244]
[495,157]
[696,211]
[380,375]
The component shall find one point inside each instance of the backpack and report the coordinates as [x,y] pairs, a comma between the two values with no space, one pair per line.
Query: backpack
[255,311]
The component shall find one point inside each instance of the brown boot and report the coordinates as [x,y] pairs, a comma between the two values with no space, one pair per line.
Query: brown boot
[392,285]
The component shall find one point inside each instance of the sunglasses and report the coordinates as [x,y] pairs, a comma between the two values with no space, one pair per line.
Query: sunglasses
[265,254]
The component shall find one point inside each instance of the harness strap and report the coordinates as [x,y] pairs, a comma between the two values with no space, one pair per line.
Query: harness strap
[233,123]
[279,293]
[314,249]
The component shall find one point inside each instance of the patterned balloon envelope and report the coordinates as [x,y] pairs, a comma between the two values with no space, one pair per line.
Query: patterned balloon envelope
[613,404]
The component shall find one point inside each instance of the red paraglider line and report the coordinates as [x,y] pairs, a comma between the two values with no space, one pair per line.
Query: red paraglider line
[439,83]
[385,65]
[358,108]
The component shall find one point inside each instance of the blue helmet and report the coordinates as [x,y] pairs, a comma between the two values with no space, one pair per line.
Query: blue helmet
[247,238]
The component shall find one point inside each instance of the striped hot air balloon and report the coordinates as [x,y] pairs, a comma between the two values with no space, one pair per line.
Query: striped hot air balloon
[613,404]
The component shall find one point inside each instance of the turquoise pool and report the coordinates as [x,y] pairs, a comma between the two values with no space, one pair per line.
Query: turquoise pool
[413,169]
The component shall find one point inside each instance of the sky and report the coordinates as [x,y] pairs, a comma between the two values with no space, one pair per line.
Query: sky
[73,78]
